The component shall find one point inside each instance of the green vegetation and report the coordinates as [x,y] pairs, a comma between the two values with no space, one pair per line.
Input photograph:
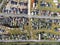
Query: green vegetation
[29,43]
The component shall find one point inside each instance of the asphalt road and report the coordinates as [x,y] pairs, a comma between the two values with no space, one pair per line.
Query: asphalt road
[29,41]
[28,16]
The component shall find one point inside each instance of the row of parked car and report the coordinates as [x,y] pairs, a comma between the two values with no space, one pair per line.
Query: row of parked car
[15,22]
[44,23]
[48,36]
[45,13]
[13,37]
[21,3]
[43,3]
[19,22]
[43,36]
[16,8]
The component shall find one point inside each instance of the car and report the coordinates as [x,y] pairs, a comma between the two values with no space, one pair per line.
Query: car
[13,2]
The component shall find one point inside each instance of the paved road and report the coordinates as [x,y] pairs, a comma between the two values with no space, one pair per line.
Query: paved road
[29,16]
[28,41]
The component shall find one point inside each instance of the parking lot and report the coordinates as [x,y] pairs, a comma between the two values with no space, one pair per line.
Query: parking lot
[32,26]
